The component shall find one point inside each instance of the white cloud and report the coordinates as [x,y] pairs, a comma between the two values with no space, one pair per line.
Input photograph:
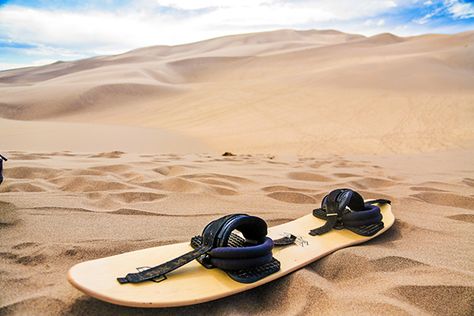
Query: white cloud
[89,30]
[195,5]
[460,10]
[455,8]
[147,23]
[371,22]
[426,18]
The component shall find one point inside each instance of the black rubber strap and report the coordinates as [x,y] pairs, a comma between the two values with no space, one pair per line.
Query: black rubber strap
[365,223]
[379,201]
[164,268]
[209,238]
[332,215]
[330,223]
[284,241]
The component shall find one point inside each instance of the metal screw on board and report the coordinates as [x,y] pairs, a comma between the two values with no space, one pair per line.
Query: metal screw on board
[2,159]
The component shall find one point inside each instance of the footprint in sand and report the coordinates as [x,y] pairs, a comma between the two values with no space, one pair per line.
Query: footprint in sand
[86,172]
[224,191]
[24,245]
[176,184]
[21,187]
[217,182]
[346,175]
[468,218]
[318,164]
[238,180]
[171,170]
[395,263]
[112,168]
[345,265]
[183,185]
[276,188]
[425,189]
[342,265]
[31,260]
[468,181]
[8,214]
[292,197]
[372,183]
[53,306]
[437,299]
[111,154]
[308,176]
[87,184]
[31,173]
[25,156]
[131,197]
[446,199]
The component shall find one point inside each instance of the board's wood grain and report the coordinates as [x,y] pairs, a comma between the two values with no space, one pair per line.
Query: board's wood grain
[193,283]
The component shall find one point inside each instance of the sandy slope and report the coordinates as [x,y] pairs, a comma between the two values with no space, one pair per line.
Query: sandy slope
[107,155]
[284,91]
[61,208]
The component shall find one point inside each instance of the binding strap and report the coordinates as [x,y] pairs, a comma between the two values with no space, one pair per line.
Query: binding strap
[363,218]
[334,203]
[214,235]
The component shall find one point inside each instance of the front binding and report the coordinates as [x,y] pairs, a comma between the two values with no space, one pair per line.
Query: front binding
[245,259]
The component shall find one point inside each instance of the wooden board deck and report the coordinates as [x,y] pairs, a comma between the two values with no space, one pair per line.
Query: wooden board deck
[192,283]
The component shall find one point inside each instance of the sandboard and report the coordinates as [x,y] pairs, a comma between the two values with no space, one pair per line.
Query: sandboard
[192,283]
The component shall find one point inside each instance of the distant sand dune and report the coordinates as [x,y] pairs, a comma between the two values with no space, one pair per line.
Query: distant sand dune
[282,91]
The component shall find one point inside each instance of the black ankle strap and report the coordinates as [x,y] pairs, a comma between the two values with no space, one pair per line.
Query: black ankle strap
[364,218]
[215,234]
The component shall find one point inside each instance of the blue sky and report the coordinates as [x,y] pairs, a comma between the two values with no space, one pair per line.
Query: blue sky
[41,32]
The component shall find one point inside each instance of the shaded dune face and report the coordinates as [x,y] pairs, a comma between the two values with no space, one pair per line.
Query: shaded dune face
[284,91]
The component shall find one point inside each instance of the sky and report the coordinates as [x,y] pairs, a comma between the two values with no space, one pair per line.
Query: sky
[41,32]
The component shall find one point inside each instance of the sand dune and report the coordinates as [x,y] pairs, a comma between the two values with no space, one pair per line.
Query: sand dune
[60,208]
[292,89]
[116,153]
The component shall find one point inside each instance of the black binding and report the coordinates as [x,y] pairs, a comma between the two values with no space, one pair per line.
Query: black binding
[352,213]
[246,275]
[341,208]
[209,239]
[216,234]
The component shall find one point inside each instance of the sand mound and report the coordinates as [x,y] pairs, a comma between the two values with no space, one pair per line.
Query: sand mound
[447,199]
[86,184]
[292,197]
[8,214]
[130,197]
[308,176]
[90,208]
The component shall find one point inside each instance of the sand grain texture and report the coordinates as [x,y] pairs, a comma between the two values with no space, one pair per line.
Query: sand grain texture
[86,208]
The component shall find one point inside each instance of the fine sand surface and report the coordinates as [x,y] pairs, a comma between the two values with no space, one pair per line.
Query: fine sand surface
[58,209]
[116,153]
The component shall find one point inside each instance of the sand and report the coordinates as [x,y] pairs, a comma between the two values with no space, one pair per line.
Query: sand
[117,153]
[61,208]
